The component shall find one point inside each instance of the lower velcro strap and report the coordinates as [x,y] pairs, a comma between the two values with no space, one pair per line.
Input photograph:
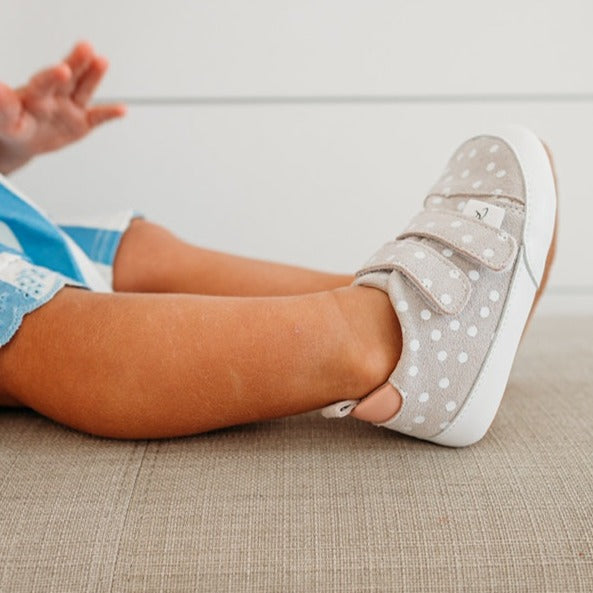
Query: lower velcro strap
[443,285]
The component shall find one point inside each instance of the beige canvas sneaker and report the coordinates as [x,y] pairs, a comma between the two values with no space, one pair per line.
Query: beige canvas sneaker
[463,278]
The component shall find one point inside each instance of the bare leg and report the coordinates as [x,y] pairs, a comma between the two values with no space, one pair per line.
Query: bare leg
[152,259]
[149,366]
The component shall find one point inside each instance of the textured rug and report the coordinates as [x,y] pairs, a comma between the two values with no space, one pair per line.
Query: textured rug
[306,504]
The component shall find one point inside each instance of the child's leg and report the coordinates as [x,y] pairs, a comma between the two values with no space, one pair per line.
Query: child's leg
[152,259]
[148,366]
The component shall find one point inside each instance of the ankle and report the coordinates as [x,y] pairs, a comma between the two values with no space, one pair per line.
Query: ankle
[374,334]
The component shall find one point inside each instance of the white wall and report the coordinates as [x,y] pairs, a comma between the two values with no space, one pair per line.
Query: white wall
[309,131]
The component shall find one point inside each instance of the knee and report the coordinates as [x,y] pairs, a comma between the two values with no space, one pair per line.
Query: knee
[140,258]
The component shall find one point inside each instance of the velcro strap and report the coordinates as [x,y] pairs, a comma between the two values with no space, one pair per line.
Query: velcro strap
[444,286]
[489,246]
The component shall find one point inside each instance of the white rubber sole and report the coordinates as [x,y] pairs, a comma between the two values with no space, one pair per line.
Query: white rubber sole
[478,411]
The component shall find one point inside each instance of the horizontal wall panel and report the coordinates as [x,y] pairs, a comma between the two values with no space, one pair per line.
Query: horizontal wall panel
[183,48]
[320,186]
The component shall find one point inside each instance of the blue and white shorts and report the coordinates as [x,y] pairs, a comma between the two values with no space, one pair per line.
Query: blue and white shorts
[38,257]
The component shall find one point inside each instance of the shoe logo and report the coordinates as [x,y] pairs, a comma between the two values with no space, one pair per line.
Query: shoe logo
[487,213]
[481,214]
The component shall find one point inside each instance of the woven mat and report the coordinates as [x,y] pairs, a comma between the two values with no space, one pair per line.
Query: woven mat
[306,504]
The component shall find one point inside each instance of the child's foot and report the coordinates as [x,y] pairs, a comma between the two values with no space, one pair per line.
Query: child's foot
[463,278]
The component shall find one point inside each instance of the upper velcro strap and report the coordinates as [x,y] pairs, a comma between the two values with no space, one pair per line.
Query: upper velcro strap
[440,281]
[492,247]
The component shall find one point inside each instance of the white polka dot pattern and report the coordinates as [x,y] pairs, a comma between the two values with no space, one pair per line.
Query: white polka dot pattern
[443,351]
[473,238]
[490,169]
[446,290]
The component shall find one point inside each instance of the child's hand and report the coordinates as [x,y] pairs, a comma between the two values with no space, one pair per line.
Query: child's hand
[52,110]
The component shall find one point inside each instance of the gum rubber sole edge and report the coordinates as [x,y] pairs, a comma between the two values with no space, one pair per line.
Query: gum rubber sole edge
[479,408]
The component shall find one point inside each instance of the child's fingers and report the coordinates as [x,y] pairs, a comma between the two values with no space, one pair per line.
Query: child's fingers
[45,82]
[89,81]
[10,108]
[79,60]
[103,113]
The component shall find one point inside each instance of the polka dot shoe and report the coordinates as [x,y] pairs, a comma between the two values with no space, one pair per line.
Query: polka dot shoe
[463,278]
